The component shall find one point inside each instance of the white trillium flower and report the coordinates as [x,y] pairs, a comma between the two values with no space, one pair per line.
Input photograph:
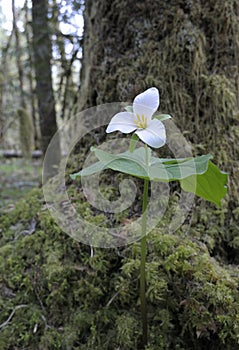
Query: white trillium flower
[151,131]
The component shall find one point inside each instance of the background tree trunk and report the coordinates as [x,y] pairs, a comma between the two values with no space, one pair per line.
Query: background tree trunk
[31,76]
[42,59]
[4,125]
[18,56]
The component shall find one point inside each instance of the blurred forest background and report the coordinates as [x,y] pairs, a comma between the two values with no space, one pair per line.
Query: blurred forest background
[57,293]
[31,40]
[39,82]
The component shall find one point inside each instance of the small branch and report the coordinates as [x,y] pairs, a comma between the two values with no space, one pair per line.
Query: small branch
[4,324]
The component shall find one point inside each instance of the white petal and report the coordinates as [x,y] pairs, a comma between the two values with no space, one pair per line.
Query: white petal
[123,121]
[146,103]
[154,135]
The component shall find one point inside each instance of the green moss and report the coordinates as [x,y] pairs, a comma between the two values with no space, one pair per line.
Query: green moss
[73,298]
[190,52]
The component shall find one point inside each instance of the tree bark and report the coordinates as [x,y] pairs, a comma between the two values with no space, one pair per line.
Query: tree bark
[31,77]
[44,90]
[4,125]
[18,56]
[189,51]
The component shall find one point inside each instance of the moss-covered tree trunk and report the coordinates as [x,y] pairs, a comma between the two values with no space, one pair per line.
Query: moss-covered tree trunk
[188,49]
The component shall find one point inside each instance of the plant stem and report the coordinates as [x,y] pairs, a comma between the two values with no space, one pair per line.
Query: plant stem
[142,267]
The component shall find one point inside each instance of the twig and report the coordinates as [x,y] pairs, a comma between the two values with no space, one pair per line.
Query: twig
[12,314]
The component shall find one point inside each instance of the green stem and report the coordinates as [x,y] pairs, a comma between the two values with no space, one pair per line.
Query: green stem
[143,260]
[142,267]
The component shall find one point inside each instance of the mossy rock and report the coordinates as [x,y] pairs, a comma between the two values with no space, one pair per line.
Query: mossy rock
[62,295]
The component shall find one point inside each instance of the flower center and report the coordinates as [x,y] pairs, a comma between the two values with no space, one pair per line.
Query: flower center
[141,121]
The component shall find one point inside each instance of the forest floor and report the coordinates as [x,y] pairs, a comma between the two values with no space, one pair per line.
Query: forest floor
[17,177]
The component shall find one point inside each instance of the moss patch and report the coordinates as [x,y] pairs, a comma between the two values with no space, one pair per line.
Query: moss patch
[61,294]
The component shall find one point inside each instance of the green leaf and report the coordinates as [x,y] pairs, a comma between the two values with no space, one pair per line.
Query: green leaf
[129,109]
[165,169]
[92,169]
[163,117]
[197,175]
[128,163]
[211,185]
[157,169]
[133,142]
[177,169]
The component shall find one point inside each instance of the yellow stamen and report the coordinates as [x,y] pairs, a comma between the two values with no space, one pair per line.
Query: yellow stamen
[141,121]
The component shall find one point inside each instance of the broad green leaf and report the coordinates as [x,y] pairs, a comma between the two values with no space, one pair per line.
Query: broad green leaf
[163,117]
[211,185]
[166,169]
[197,175]
[157,169]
